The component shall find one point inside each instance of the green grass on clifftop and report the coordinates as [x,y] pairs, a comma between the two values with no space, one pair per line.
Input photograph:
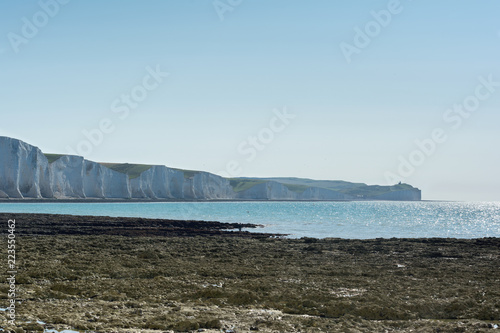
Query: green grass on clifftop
[53,157]
[299,185]
[188,173]
[375,190]
[297,188]
[132,170]
[241,184]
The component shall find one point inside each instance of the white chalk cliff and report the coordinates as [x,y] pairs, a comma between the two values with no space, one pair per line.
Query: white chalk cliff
[161,182]
[25,172]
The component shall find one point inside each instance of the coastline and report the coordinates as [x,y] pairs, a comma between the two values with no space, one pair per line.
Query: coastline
[108,200]
[95,200]
[147,280]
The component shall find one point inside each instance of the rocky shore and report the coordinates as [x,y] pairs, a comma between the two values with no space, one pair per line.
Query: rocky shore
[53,224]
[141,275]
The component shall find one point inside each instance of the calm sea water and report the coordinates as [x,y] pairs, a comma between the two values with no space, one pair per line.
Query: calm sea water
[359,220]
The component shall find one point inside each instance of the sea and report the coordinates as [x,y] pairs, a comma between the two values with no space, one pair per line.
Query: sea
[350,220]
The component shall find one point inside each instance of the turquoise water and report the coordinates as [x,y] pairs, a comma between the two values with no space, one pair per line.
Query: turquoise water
[359,220]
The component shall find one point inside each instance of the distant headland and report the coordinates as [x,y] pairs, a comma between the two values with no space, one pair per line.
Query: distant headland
[26,173]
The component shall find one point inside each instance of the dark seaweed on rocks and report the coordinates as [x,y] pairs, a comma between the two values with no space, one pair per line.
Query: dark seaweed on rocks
[54,224]
[101,275]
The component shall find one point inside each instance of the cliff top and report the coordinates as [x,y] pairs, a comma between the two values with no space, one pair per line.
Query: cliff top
[132,170]
[299,185]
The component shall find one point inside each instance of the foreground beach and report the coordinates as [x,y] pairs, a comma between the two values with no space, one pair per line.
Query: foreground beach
[106,274]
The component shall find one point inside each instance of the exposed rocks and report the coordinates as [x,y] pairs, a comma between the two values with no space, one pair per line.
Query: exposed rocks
[53,224]
[104,282]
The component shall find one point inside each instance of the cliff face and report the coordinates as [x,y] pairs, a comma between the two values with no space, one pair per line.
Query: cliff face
[272,190]
[75,177]
[268,191]
[204,185]
[405,195]
[315,193]
[25,172]
[161,182]
[158,182]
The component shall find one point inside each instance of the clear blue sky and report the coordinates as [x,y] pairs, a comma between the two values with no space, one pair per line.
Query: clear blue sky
[353,120]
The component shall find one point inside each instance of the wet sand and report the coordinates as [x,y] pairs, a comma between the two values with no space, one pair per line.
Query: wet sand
[129,275]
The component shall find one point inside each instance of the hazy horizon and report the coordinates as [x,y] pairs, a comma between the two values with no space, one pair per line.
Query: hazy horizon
[373,92]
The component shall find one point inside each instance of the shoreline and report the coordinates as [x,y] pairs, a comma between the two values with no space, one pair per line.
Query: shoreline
[97,200]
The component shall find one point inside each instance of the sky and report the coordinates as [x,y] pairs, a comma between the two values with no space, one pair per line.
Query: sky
[364,91]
